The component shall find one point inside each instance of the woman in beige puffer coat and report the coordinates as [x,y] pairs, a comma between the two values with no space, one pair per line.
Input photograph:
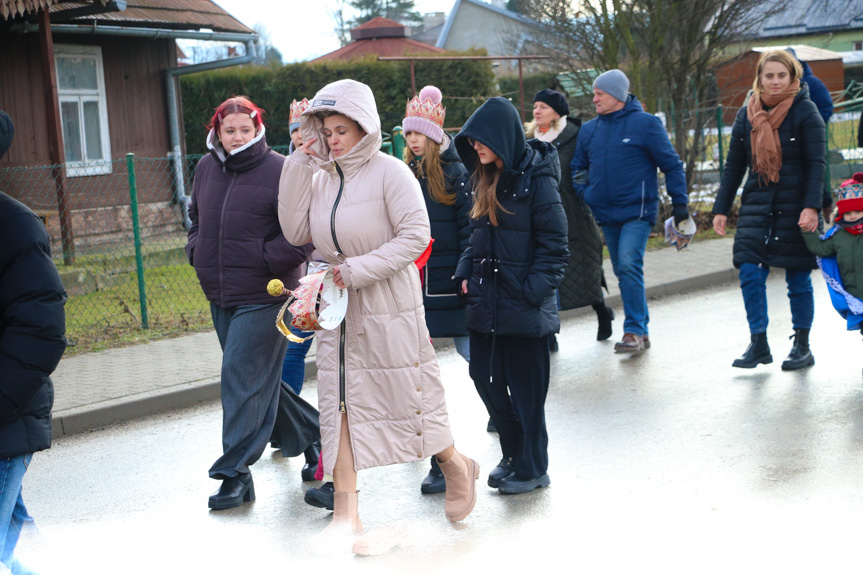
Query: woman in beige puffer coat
[379,387]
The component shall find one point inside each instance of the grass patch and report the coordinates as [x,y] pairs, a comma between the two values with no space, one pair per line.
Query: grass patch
[111,317]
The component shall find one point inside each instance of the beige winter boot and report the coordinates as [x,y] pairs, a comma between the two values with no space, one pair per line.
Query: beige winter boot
[345,522]
[461,474]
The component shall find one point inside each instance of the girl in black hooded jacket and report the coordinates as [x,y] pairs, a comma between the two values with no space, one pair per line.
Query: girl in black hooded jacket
[513,264]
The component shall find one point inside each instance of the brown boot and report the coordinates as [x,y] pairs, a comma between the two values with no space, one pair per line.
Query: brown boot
[631,343]
[461,474]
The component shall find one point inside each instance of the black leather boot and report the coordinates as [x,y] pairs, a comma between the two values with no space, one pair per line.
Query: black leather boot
[312,453]
[434,482]
[604,315]
[757,352]
[800,355]
[233,492]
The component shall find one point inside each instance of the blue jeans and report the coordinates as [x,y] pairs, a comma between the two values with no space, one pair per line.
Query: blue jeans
[294,365]
[462,346]
[13,514]
[252,355]
[626,245]
[753,284]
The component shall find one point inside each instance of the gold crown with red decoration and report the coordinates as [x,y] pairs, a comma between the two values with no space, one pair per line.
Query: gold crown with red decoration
[427,110]
[297,108]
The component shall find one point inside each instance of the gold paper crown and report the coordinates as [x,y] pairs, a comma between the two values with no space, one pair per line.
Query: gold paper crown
[298,108]
[427,110]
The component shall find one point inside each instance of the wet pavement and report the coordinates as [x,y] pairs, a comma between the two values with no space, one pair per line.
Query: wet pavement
[670,461]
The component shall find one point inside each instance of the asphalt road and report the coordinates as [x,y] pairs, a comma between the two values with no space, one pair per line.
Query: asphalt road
[671,461]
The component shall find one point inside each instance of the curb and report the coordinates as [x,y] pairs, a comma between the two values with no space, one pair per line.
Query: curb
[97,416]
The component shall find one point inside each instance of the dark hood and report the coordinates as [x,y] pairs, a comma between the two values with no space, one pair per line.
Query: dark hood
[7,130]
[243,159]
[495,124]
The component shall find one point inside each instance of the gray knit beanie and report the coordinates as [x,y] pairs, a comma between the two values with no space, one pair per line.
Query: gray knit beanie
[615,83]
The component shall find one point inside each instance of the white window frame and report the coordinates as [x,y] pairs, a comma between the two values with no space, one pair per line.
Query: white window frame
[80,96]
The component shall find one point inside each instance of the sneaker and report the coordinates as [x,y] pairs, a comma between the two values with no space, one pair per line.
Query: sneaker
[321,496]
[503,469]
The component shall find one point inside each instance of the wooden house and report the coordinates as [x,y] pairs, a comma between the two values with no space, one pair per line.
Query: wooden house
[86,82]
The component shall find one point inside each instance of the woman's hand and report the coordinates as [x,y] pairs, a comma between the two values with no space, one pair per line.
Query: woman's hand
[337,277]
[808,220]
[464,287]
[719,224]
[308,151]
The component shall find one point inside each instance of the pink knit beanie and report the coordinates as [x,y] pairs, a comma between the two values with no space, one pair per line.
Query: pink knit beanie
[424,114]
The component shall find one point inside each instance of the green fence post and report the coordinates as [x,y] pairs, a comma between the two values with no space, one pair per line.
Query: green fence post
[719,126]
[398,143]
[136,227]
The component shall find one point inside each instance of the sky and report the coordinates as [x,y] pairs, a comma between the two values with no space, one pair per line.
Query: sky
[303,29]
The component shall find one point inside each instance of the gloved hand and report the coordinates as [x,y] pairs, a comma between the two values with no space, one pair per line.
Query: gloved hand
[680,213]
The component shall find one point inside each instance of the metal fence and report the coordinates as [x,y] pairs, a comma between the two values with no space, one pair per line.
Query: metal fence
[118,236]
[118,232]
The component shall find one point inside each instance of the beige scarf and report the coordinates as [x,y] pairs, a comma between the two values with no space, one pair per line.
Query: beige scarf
[766,149]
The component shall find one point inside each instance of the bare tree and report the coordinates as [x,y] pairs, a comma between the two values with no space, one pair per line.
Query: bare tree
[337,15]
[668,48]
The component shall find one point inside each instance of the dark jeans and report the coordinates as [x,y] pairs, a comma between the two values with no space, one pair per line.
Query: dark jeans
[252,354]
[626,246]
[511,376]
[753,284]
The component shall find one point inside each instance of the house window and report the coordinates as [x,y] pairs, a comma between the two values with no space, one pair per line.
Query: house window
[858,45]
[83,109]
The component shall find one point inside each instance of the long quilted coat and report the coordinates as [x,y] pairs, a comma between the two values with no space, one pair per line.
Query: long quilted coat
[767,230]
[364,213]
[583,278]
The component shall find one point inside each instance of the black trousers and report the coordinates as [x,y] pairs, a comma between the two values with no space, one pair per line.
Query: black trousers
[511,376]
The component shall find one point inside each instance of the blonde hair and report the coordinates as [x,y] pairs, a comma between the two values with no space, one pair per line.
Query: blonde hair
[790,62]
[530,127]
[484,184]
[430,167]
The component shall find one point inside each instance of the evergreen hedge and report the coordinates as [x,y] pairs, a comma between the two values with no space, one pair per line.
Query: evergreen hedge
[465,85]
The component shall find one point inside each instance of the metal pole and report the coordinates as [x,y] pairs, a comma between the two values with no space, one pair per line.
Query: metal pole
[719,126]
[521,88]
[136,228]
[413,81]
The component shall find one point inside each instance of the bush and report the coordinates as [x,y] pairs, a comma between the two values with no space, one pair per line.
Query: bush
[273,89]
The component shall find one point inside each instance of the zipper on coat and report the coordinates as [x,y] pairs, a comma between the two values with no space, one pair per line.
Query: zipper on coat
[342,406]
[335,207]
[222,233]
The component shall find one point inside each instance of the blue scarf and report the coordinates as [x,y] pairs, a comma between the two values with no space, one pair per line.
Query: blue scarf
[848,306]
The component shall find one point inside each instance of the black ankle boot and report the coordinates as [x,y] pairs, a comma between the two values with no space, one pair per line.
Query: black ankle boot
[311,453]
[800,355]
[233,492]
[604,315]
[434,482]
[757,352]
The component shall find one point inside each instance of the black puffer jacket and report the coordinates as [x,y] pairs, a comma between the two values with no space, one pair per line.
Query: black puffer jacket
[445,315]
[583,278]
[32,328]
[767,230]
[514,268]
[235,241]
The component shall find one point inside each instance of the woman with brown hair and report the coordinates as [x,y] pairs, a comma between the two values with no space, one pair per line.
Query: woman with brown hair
[509,273]
[431,156]
[779,137]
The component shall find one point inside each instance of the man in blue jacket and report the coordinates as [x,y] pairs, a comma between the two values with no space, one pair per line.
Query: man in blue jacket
[32,327]
[614,170]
